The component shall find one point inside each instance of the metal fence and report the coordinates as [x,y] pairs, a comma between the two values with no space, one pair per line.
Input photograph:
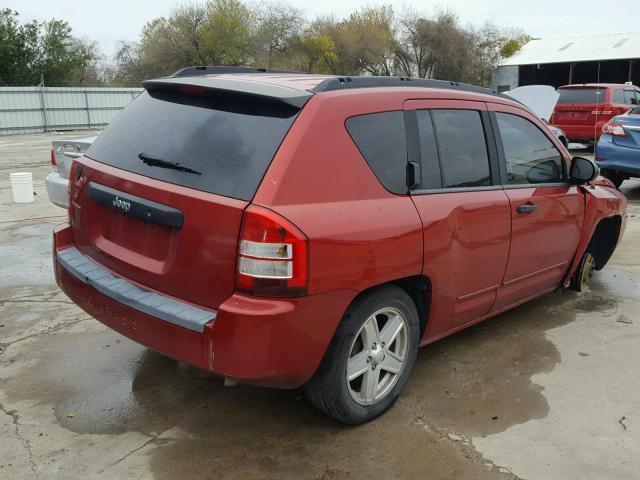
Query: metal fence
[44,109]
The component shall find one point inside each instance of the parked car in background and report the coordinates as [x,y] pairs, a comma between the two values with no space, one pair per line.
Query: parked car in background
[288,230]
[583,109]
[63,152]
[618,150]
[540,99]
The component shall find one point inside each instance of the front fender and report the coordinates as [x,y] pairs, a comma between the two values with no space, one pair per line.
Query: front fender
[601,202]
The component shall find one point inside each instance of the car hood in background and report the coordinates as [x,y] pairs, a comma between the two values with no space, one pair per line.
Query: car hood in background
[541,99]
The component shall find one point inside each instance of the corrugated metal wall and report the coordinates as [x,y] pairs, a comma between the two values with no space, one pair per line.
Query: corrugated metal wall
[41,109]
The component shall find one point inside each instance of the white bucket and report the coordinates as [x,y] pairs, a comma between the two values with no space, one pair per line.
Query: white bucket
[22,187]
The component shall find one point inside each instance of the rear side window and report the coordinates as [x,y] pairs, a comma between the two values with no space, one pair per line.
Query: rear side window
[530,155]
[581,95]
[618,97]
[380,137]
[463,149]
[227,144]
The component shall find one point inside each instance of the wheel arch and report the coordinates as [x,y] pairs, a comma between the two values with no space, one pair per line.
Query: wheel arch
[604,240]
[418,287]
[601,243]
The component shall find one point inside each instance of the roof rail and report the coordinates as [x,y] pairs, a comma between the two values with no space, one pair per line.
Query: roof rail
[198,70]
[339,83]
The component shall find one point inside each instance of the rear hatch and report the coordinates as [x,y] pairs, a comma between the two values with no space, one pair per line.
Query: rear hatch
[580,106]
[160,195]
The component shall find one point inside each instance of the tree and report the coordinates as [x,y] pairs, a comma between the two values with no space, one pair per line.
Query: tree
[435,47]
[227,32]
[318,51]
[168,44]
[364,42]
[513,43]
[38,50]
[278,27]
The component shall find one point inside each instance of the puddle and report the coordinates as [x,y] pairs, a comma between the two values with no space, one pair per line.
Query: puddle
[25,256]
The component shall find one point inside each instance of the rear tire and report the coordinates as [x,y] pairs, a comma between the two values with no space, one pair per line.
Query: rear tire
[370,358]
[615,177]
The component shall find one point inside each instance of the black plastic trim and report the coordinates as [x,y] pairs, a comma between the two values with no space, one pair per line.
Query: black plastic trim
[134,206]
[134,296]
[197,70]
[414,164]
[435,191]
[341,83]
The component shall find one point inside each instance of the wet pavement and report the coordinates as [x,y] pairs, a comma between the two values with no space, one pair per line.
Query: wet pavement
[549,390]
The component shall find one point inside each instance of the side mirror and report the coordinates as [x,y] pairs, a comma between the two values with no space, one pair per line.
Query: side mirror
[582,171]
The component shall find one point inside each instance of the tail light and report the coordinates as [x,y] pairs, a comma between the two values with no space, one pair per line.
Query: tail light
[54,162]
[272,255]
[614,129]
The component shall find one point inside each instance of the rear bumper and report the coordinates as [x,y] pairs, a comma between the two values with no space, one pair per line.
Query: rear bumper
[581,133]
[618,158]
[58,189]
[271,342]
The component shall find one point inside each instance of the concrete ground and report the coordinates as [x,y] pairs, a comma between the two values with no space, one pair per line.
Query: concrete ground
[547,391]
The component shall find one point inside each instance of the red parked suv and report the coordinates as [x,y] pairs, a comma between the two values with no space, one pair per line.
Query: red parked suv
[288,229]
[583,109]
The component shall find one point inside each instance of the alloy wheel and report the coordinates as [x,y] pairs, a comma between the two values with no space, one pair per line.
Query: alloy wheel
[377,356]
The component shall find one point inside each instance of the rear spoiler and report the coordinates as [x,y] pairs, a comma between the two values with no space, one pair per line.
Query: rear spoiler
[235,87]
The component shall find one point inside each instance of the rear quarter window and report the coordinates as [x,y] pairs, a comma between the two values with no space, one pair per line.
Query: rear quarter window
[380,137]
[230,142]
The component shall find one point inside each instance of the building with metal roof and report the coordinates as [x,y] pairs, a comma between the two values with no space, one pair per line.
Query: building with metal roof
[601,58]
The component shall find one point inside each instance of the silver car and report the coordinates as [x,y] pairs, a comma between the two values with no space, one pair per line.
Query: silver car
[62,154]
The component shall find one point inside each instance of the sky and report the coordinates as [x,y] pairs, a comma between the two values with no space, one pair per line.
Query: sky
[107,21]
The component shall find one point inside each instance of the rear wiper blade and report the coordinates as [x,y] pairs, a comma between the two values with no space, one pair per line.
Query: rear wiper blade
[159,162]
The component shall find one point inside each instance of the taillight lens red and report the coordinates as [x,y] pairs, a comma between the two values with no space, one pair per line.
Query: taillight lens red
[272,255]
[54,162]
[614,129]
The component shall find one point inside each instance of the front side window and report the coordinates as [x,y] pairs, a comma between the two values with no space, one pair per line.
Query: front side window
[381,139]
[463,149]
[531,157]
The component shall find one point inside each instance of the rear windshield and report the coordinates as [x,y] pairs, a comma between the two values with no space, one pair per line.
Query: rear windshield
[581,95]
[225,144]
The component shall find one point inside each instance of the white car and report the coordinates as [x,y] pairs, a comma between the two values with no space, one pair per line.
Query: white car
[62,154]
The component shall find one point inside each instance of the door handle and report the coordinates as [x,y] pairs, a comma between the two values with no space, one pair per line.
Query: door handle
[527,208]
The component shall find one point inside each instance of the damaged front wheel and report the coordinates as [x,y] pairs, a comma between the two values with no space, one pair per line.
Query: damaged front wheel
[582,278]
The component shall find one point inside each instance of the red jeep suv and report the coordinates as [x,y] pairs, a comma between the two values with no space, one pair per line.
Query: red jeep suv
[583,109]
[286,229]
